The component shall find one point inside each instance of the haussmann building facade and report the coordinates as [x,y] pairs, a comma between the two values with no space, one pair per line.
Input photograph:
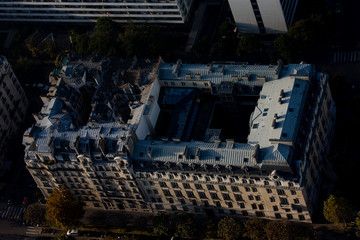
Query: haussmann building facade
[216,139]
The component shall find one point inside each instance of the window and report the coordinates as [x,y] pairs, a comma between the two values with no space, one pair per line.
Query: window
[247,189]
[202,195]
[293,192]
[255,125]
[284,201]
[277,215]
[242,205]
[194,84]
[162,184]
[261,206]
[244,213]
[226,196]
[183,83]
[198,186]
[170,200]
[258,198]
[238,197]
[259,214]
[253,206]
[289,216]
[222,188]
[186,185]
[182,201]
[217,203]
[275,208]
[280,192]
[268,190]
[167,193]
[210,187]
[234,188]
[194,202]
[174,185]
[173,208]
[230,205]
[272,199]
[178,193]
[190,194]
[251,197]
[185,208]
[254,189]
[214,196]
[301,217]
[291,109]
[296,201]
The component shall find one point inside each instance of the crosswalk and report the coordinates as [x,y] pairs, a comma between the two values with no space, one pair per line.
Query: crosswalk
[346,57]
[33,231]
[13,213]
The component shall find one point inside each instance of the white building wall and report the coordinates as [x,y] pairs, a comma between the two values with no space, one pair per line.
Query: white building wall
[271,13]
[244,16]
[272,16]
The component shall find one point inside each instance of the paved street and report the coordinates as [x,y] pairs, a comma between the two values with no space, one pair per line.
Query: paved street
[13,213]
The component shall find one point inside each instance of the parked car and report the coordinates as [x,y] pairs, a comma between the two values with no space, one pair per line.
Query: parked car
[25,201]
[72,232]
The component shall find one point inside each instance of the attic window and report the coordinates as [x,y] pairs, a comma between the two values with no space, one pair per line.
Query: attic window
[266,109]
[217,158]
[264,114]
[262,96]
[255,125]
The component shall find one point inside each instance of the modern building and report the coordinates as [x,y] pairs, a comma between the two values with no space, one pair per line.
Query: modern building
[216,139]
[13,106]
[152,11]
[263,16]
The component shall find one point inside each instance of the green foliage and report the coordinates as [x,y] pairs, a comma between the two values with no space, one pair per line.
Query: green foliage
[357,223]
[35,214]
[302,231]
[63,210]
[64,237]
[201,48]
[254,229]
[163,225]
[248,43]
[185,226]
[229,229]
[209,229]
[278,230]
[81,42]
[140,39]
[103,38]
[337,210]
[305,40]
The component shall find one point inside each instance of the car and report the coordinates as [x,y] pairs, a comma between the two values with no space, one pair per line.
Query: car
[25,201]
[10,202]
[72,232]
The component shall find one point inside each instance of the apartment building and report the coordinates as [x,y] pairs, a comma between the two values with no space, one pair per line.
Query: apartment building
[169,140]
[263,16]
[13,106]
[86,11]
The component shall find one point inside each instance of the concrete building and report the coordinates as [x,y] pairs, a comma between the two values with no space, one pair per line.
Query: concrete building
[263,16]
[163,139]
[152,11]
[13,106]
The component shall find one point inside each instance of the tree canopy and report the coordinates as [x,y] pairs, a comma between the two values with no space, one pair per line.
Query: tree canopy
[163,225]
[229,229]
[63,210]
[35,214]
[337,210]
[185,226]
[255,229]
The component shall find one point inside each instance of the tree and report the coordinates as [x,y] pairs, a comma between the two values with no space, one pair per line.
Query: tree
[254,229]
[248,43]
[103,38]
[209,229]
[185,226]
[63,210]
[64,237]
[201,48]
[302,231]
[35,214]
[229,229]
[81,43]
[278,230]
[357,223]
[163,225]
[337,210]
